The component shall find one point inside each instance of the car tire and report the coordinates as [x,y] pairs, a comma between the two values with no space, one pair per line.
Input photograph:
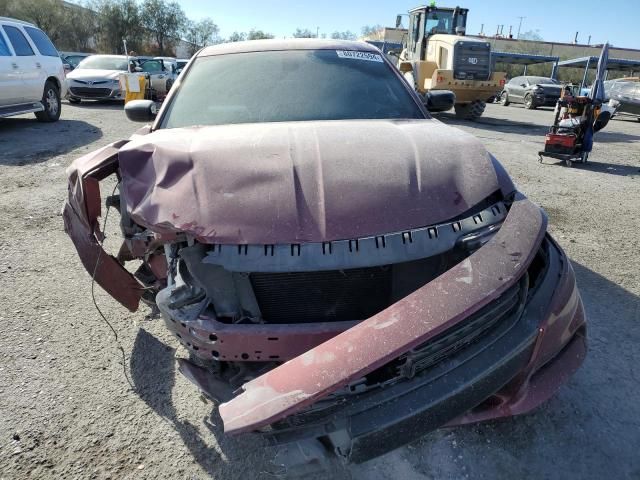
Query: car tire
[51,102]
[470,111]
[74,100]
[528,102]
[504,98]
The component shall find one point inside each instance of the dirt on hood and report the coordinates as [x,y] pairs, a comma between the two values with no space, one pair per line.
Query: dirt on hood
[303,181]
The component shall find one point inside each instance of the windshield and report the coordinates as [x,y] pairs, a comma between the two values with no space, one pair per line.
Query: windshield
[74,60]
[547,80]
[439,22]
[281,86]
[103,63]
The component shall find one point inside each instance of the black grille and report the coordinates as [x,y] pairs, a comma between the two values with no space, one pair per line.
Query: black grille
[90,92]
[472,61]
[334,295]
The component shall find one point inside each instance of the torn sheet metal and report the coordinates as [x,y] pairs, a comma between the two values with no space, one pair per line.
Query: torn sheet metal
[81,219]
[420,316]
[295,182]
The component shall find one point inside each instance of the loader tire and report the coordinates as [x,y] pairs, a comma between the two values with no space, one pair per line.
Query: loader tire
[470,111]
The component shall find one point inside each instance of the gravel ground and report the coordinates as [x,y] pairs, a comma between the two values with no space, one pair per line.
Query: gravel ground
[67,411]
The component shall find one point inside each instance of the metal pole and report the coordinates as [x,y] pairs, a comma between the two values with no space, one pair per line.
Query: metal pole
[525,69]
[519,26]
[554,70]
[586,71]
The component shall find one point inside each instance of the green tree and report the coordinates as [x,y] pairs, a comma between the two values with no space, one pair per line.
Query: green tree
[165,21]
[258,35]
[118,20]
[348,35]
[306,33]
[200,34]
[47,15]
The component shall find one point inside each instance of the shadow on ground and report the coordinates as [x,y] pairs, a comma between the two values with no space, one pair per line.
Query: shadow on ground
[504,125]
[494,124]
[618,169]
[42,140]
[153,372]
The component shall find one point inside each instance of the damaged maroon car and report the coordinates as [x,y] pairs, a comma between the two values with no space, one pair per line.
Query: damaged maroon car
[342,268]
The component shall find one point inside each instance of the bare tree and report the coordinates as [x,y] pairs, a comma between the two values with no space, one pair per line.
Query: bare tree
[200,34]
[237,37]
[348,35]
[373,32]
[258,35]
[165,21]
[306,33]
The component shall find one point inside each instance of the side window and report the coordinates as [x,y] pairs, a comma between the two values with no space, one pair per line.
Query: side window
[515,81]
[4,48]
[416,31]
[19,41]
[42,42]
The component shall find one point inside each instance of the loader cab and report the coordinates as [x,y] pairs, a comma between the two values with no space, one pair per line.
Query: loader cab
[427,21]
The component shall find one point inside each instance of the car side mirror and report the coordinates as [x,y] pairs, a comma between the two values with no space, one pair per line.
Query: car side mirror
[138,69]
[141,110]
[440,100]
[523,84]
[179,71]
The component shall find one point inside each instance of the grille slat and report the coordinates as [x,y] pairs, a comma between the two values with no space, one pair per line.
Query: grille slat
[90,92]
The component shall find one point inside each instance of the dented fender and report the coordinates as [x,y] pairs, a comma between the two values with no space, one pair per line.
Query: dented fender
[420,316]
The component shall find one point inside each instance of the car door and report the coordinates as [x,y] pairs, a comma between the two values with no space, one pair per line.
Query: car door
[48,58]
[157,74]
[516,92]
[31,72]
[10,81]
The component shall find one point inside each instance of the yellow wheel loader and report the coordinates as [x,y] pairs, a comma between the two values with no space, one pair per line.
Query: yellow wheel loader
[436,55]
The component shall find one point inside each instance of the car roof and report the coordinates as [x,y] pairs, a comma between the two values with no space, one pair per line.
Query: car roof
[15,20]
[287,44]
[114,56]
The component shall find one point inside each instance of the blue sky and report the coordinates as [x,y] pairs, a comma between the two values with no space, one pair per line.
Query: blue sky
[616,21]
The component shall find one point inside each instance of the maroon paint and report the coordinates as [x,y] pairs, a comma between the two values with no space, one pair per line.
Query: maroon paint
[559,352]
[294,182]
[109,274]
[81,213]
[435,307]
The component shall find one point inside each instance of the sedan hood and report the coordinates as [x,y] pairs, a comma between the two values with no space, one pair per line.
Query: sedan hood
[94,74]
[297,182]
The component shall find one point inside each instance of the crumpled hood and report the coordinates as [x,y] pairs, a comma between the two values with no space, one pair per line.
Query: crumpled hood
[86,74]
[296,182]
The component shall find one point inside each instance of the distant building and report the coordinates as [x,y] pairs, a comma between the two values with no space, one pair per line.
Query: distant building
[502,44]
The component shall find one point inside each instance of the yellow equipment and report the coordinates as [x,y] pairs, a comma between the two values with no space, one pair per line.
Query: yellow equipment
[134,86]
[437,56]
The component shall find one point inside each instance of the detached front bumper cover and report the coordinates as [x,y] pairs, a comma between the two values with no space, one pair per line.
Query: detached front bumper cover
[432,309]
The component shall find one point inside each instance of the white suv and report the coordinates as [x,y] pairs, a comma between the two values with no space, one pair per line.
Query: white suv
[31,72]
